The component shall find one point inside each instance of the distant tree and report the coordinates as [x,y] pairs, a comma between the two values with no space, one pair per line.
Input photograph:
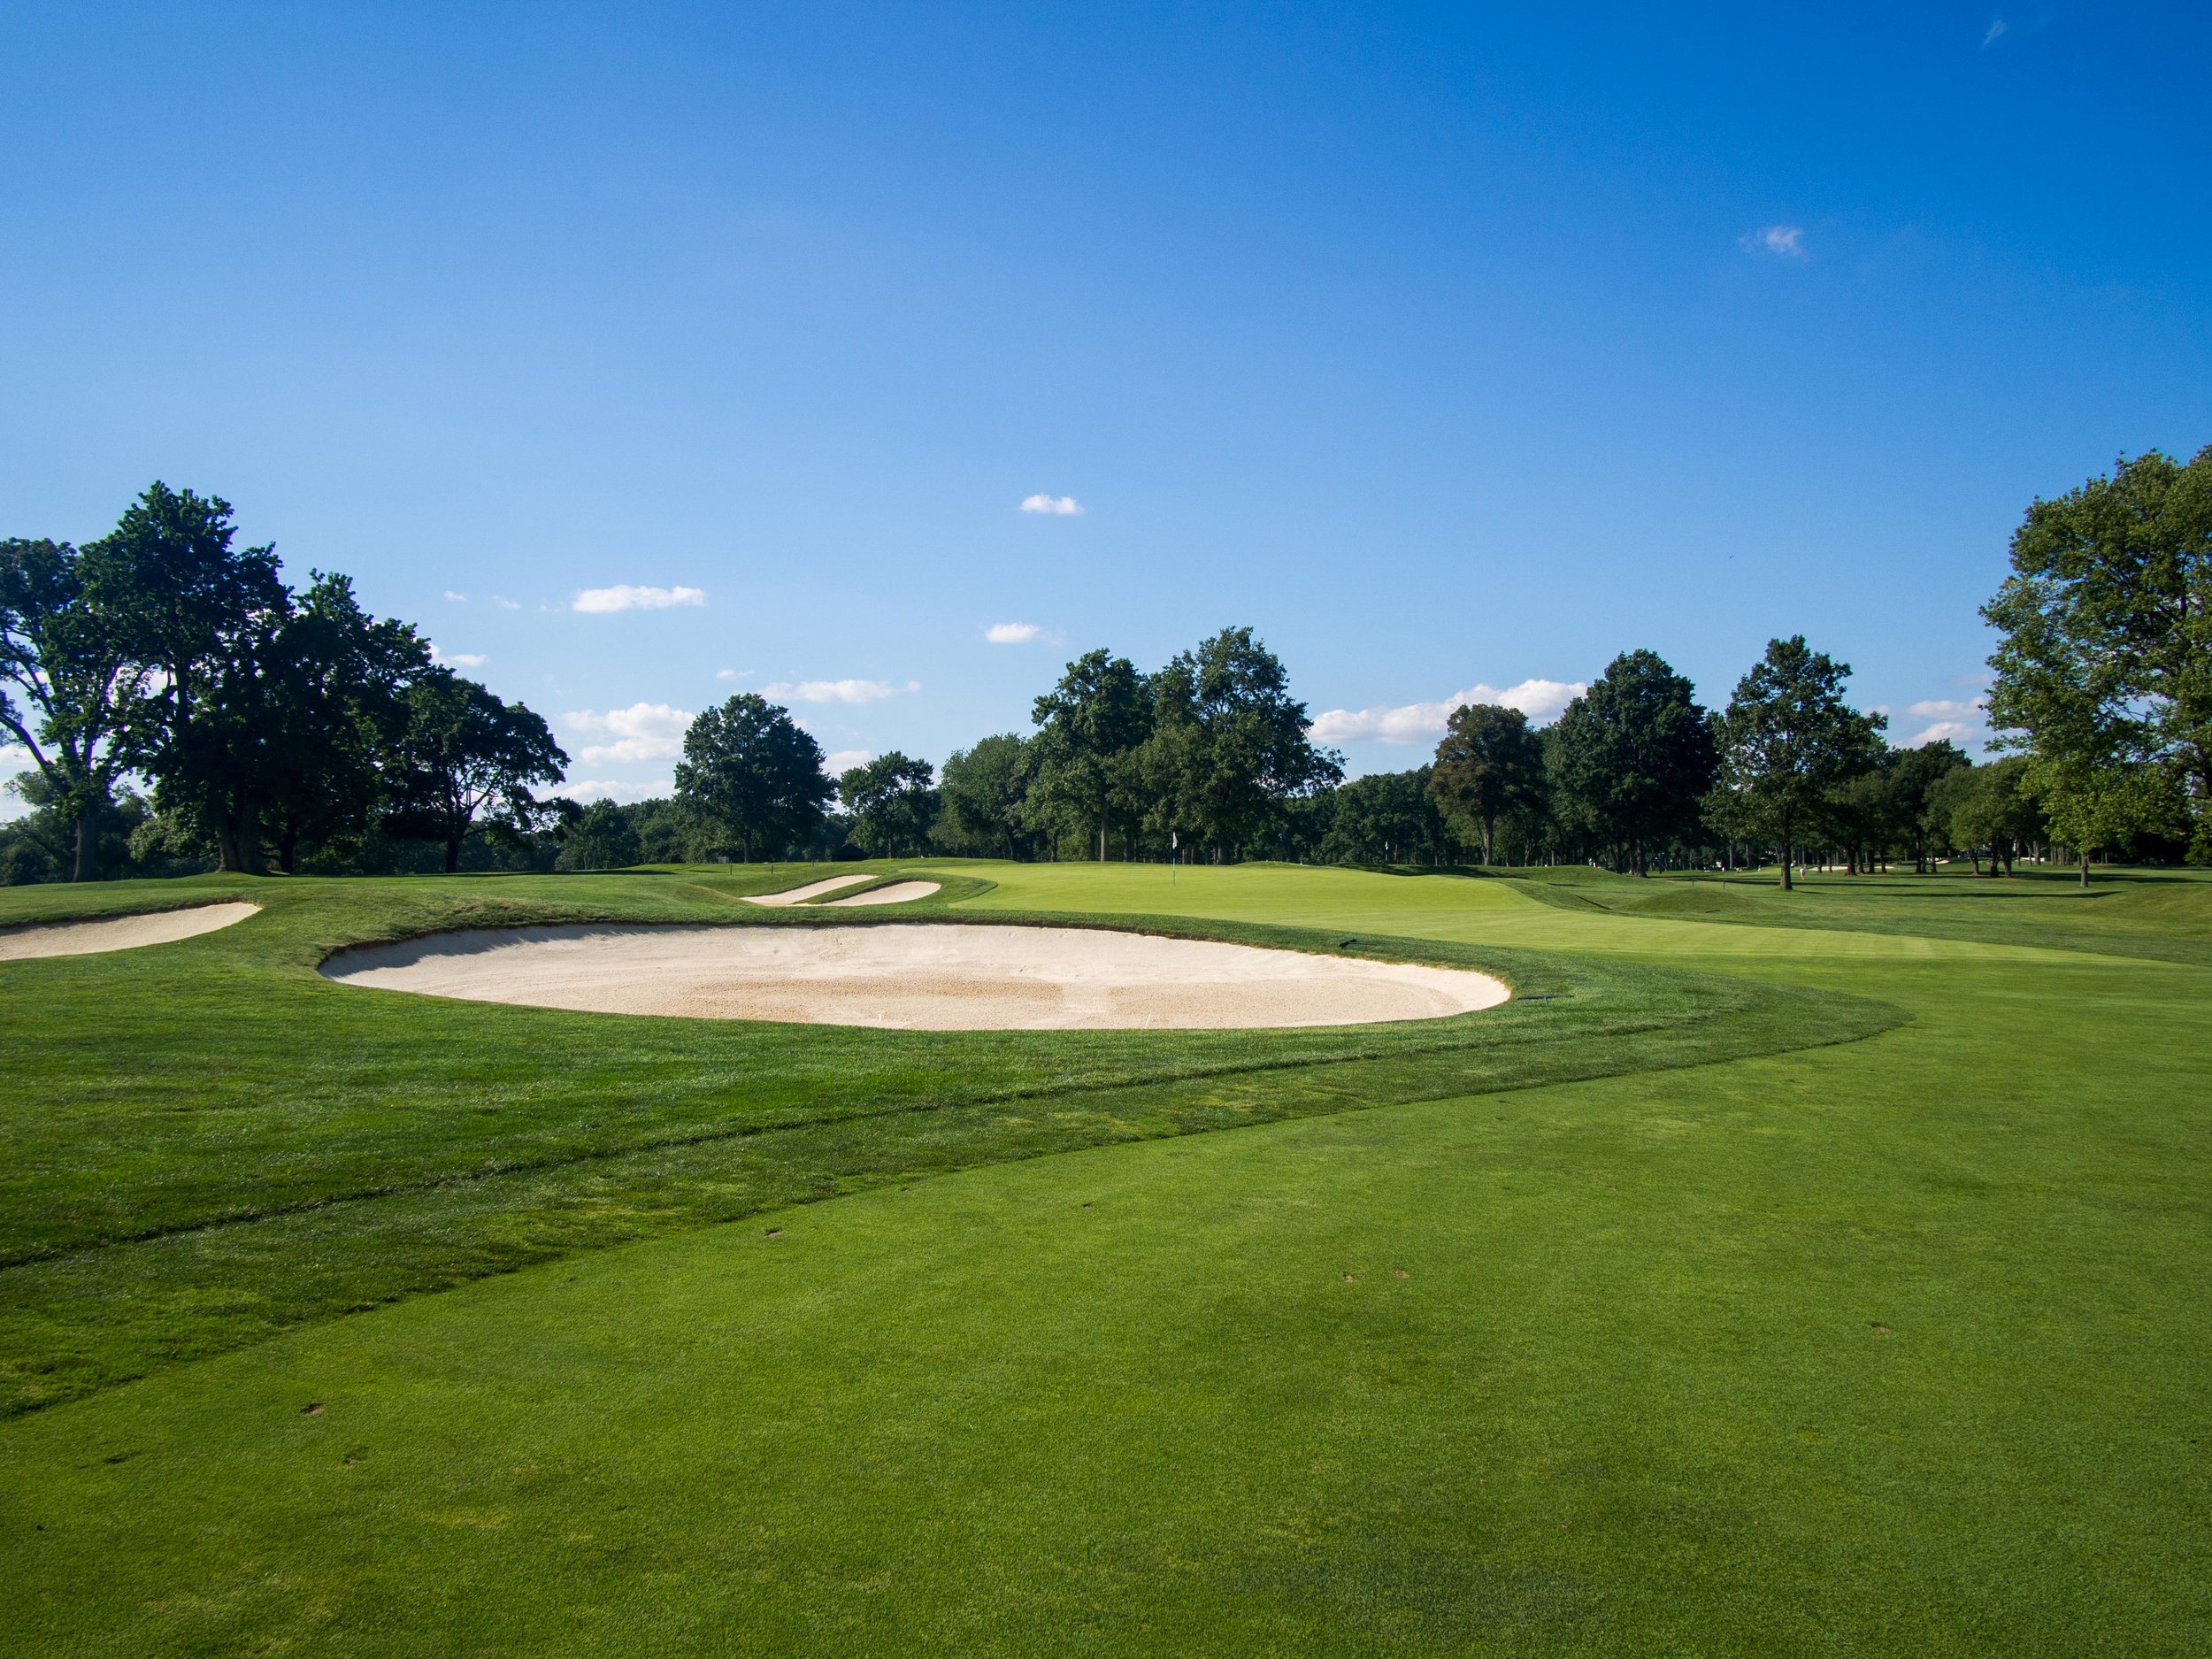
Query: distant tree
[64,655]
[44,844]
[1790,739]
[985,790]
[599,837]
[1489,764]
[1230,747]
[2105,663]
[1906,782]
[748,770]
[1990,807]
[891,801]
[1089,727]
[1635,754]
[1386,817]
[469,760]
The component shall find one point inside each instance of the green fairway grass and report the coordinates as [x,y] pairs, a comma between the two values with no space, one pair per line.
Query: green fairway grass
[1806,1278]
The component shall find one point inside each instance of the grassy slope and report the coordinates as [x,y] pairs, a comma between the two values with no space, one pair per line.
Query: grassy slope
[210,1142]
[1890,1347]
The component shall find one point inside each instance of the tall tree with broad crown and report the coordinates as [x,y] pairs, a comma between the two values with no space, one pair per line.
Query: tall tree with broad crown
[1789,739]
[63,655]
[1089,730]
[892,800]
[749,769]
[1491,762]
[2105,665]
[1636,753]
[470,762]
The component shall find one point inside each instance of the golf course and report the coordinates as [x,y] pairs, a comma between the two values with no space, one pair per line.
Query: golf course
[1815,1272]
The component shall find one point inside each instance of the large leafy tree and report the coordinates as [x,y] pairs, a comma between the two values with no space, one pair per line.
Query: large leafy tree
[2105,665]
[984,790]
[1089,727]
[1790,739]
[1230,747]
[748,770]
[1384,817]
[891,800]
[202,616]
[1911,811]
[470,759]
[1635,754]
[1490,765]
[67,681]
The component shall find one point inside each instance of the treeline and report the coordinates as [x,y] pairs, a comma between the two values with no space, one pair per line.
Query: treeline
[290,727]
[267,725]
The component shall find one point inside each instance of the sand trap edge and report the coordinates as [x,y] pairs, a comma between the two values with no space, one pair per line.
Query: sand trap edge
[93,936]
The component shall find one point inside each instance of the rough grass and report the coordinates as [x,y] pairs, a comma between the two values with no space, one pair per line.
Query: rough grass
[1893,1346]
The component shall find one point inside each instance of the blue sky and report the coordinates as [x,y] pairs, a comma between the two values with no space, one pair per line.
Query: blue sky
[1451,348]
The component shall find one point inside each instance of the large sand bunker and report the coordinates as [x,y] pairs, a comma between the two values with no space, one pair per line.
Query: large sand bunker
[120,932]
[931,977]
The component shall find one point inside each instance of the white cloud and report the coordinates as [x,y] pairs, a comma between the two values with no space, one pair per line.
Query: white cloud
[625,596]
[589,789]
[1947,718]
[457,659]
[1541,700]
[835,690]
[458,599]
[1057,506]
[845,759]
[732,673]
[1786,241]
[13,755]
[507,604]
[1011,633]
[644,731]
[1996,28]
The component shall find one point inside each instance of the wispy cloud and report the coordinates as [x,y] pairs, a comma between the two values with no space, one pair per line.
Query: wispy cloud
[1011,633]
[507,604]
[457,659]
[835,690]
[625,596]
[644,731]
[13,755]
[1541,700]
[845,759]
[1056,506]
[458,599]
[1786,241]
[1995,32]
[1959,722]
[732,673]
[590,789]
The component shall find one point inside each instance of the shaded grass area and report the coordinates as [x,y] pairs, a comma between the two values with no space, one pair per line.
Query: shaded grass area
[210,1142]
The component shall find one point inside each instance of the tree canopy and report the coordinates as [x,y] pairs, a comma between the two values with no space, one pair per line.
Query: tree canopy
[748,770]
[1790,739]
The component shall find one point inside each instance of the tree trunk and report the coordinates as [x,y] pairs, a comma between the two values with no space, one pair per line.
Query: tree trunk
[88,865]
[1785,863]
[453,853]
[288,851]
[1102,835]
[2084,866]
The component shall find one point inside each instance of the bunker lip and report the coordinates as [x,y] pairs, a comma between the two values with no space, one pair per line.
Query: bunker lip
[923,976]
[94,936]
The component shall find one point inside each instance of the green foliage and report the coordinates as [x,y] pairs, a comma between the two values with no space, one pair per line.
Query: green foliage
[470,759]
[1634,755]
[2105,666]
[600,837]
[1489,764]
[1789,741]
[1089,727]
[750,772]
[1386,818]
[985,791]
[891,801]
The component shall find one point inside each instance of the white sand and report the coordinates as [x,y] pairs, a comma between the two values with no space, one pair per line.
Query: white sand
[121,933]
[812,890]
[897,893]
[928,977]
